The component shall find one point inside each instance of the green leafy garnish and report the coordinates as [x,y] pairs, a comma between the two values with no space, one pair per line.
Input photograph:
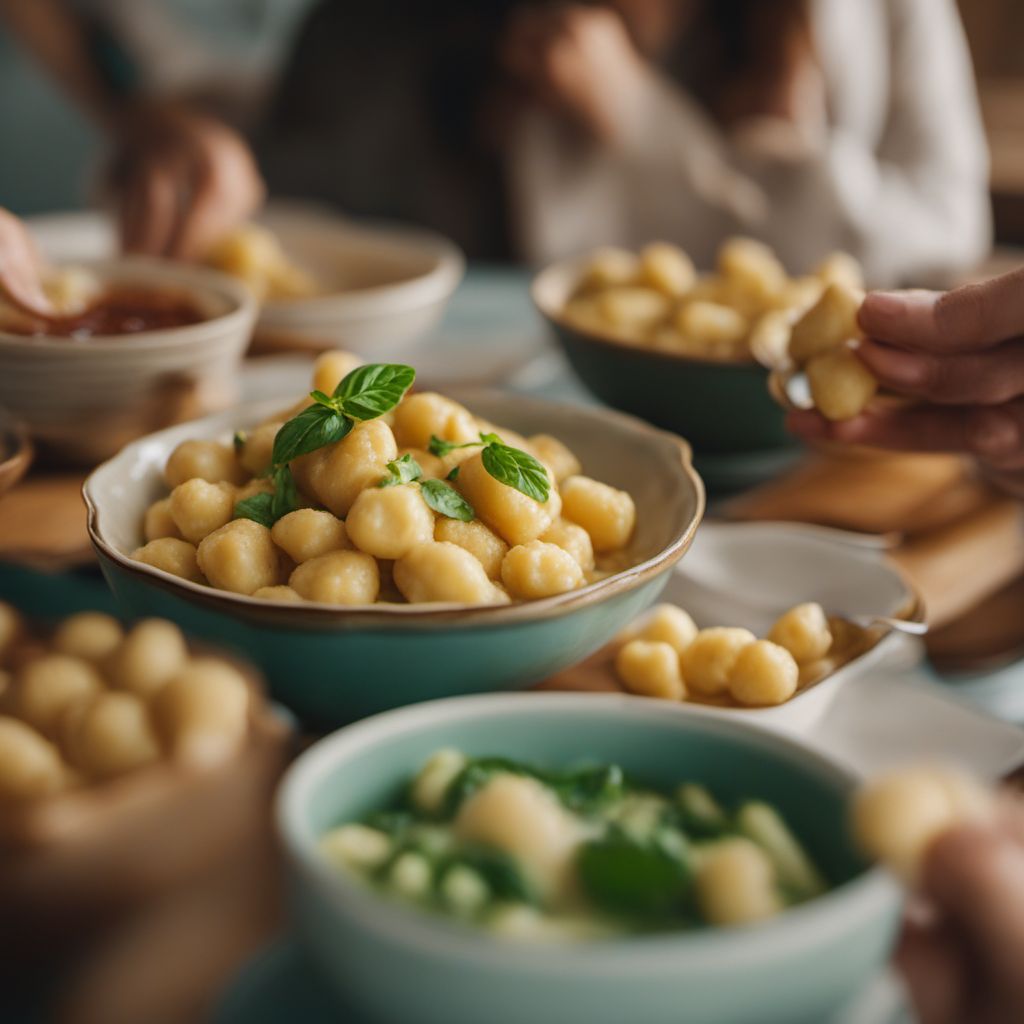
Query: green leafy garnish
[500,871]
[625,877]
[443,498]
[401,471]
[313,428]
[454,474]
[266,509]
[510,466]
[364,394]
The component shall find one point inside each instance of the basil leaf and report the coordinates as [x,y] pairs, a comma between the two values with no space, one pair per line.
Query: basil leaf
[258,508]
[285,498]
[321,399]
[311,429]
[402,471]
[454,474]
[625,877]
[517,469]
[440,447]
[443,498]
[370,391]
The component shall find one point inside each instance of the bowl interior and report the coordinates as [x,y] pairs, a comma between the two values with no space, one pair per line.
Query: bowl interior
[652,466]
[361,768]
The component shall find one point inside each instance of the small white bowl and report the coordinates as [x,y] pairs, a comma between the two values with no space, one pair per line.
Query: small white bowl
[384,286]
[83,400]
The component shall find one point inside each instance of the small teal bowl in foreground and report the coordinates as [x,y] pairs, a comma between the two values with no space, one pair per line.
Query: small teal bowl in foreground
[331,664]
[400,965]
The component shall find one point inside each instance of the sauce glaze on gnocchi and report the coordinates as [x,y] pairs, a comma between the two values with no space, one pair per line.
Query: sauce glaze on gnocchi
[364,532]
[573,854]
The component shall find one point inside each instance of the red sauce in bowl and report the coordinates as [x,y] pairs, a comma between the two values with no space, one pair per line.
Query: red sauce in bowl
[120,311]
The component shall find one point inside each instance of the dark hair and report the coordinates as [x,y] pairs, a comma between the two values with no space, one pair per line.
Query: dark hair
[741,52]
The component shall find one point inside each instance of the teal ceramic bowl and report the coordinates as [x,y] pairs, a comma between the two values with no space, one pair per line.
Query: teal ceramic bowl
[399,964]
[721,408]
[330,664]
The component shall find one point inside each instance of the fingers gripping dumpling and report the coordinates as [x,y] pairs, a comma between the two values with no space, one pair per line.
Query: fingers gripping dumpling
[240,557]
[341,577]
[537,569]
[514,516]
[207,460]
[337,474]
[425,414]
[605,512]
[479,540]
[442,572]
[172,555]
[388,522]
[199,507]
[308,533]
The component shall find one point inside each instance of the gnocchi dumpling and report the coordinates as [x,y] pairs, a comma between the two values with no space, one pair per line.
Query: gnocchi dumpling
[650,668]
[240,557]
[829,323]
[606,513]
[440,571]
[388,522]
[708,660]
[763,674]
[340,577]
[537,569]
[841,385]
[804,632]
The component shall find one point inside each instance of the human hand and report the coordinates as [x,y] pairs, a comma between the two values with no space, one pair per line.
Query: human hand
[960,355]
[577,61]
[961,956]
[20,278]
[182,181]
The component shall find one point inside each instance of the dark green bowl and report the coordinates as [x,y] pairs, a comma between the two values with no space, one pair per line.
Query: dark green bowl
[721,408]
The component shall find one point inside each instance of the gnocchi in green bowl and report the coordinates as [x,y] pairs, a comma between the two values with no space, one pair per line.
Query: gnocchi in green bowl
[547,867]
[347,618]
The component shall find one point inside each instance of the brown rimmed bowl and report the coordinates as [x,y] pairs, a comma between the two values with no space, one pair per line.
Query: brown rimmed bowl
[334,664]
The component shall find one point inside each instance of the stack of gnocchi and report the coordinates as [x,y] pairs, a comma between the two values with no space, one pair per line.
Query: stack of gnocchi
[91,702]
[668,657]
[742,311]
[362,535]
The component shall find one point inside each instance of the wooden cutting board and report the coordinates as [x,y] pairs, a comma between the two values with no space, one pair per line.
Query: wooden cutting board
[42,522]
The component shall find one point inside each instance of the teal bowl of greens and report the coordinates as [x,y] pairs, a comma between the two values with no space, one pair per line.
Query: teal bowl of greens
[722,407]
[398,961]
[333,664]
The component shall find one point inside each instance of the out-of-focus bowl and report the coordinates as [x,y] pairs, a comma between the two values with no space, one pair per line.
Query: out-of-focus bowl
[83,400]
[719,407]
[384,286]
[333,664]
[399,964]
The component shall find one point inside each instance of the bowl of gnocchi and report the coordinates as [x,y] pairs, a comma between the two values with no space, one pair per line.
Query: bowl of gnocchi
[397,545]
[579,857]
[689,352]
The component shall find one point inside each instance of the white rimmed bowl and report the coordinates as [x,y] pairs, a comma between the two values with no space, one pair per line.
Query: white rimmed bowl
[398,964]
[83,400]
[384,286]
[333,664]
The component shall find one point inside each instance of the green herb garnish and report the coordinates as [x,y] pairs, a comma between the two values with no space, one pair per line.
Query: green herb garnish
[405,470]
[443,498]
[266,509]
[510,466]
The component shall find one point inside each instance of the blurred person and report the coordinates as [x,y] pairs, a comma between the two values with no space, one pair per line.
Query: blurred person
[963,944]
[542,129]
[20,267]
[960,356]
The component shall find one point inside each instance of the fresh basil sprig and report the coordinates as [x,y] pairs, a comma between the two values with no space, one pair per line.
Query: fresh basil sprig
[438,495]
[443,498]
[510,466]
[364,394]
[266,509]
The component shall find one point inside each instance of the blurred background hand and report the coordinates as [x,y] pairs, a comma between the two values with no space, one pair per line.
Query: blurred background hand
[962,955]
[181,181]
[20,267]
[960,356]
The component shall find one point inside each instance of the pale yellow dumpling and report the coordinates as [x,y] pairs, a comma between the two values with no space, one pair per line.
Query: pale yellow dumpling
[341,577]
[49,684]
[804,632]
[610,266]
[606,513]
[388,522]
[829,323]
[256,450]
[110,735]
[178,557]
[514,516]
[199,507]
[332,367]
[708,660]
[633,309]
[308,533]
[89,635]
[650,669]
[764,674]
[736,884]
[425,414]
[443,572]
[158,521]
[667,268]
[281,592]
[153,651]
[555,455]
[572,538]
[479,540]
[207,460]
[668,624]
[30,767]
[240,557]
[712,324]
[536,569]
[841,385]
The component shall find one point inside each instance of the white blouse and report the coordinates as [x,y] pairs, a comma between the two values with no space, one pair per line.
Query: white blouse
[894,170]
